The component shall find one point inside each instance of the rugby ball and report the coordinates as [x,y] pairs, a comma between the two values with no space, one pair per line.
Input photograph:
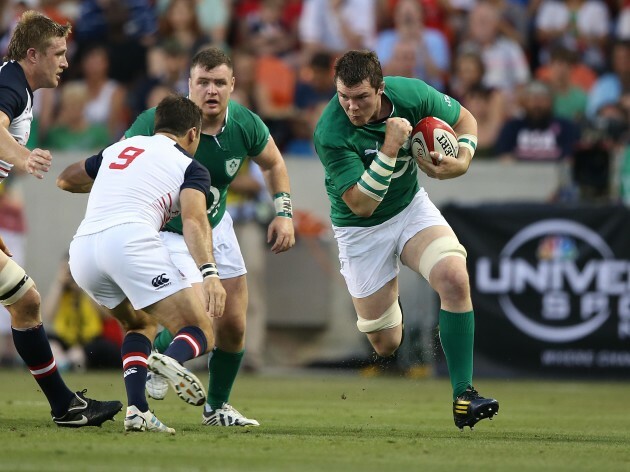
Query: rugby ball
[432,134]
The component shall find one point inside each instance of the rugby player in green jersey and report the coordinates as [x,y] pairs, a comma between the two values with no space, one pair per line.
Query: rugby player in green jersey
[230,134]
[379,212]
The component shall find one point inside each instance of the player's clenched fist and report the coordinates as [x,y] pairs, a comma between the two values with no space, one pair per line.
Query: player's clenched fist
[397,131]
[38,161]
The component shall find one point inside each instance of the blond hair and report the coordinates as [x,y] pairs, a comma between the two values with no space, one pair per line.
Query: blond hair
[34,30]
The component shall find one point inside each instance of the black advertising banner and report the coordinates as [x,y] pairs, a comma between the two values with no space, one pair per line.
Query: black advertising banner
[550,285]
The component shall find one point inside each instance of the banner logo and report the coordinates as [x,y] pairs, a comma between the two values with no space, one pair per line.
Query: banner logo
[568,272]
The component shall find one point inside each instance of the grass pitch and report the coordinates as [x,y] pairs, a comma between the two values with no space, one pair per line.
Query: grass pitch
[330,423]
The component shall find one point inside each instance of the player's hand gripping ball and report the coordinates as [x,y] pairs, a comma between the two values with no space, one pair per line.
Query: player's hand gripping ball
[433,135]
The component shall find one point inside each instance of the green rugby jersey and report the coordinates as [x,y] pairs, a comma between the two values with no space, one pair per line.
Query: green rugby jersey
[346,150]
[244,135]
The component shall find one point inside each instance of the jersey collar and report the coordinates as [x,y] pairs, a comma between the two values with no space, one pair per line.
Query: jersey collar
[383,120]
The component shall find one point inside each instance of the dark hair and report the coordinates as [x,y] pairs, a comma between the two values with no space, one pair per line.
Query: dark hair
[34,30]
[210,58]
[176,115]
[355,66]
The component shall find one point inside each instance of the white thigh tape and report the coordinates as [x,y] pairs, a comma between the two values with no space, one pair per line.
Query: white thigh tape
[14,283]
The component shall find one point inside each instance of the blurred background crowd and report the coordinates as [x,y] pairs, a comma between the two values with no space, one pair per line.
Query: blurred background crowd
[548,80]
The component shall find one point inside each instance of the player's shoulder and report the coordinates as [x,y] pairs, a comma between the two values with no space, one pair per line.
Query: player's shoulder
[405,89]
[12,76]
[144,124]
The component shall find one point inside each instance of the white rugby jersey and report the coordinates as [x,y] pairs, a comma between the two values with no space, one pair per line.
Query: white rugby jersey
[16,100]
[138,180]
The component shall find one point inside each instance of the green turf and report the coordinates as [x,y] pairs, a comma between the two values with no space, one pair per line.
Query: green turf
[331,423]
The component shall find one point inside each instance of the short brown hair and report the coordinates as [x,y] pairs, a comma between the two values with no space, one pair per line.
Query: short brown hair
[176,115]
[355,66]
[210,58]
[34,30]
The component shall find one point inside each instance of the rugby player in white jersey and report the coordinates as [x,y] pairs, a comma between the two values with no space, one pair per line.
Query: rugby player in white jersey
[36,58]
[136,186]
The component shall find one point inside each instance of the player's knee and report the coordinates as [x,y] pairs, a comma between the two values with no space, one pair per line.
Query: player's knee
[385,346]
[25,312]
[440,248]
[452,283]
[383,336]
[391,318]
[230,332]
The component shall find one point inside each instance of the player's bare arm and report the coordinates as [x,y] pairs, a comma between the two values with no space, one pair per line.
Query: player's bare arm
[361,200]
[451,167]
[274,170]
[198,237]
[75,179]
[33,162]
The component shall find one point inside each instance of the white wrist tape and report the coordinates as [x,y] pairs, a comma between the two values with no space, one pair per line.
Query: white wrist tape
[376,179]
[283,205]
[209,270]
[469,142]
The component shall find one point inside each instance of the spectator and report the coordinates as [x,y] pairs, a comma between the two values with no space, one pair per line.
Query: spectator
[135,17]
[622,26]
[313,91]
[128,27]
[610,87]
[244,62]
[274,91]
[264,31]
[582,76]
[430,54]
[335,26]
[488,105]
[180,23]
[514,22]
[71,130]
[167,66]
[505,64]
[538,135]
[402,61]
[569,101]
[580,25]
[602,142]
[213,17]
[83,335]
[106,97]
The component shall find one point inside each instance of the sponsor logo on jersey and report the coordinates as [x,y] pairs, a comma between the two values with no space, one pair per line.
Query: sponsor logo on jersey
[160,281]
[232,165]
[447,99]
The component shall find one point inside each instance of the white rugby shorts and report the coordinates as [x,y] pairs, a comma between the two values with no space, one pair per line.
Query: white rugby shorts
[227,252]
[125,261]
[369,256]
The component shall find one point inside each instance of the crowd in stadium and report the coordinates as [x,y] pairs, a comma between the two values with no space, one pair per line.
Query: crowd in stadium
[545,79]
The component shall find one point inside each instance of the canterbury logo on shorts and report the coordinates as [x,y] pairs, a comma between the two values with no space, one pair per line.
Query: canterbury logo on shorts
[160,281]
